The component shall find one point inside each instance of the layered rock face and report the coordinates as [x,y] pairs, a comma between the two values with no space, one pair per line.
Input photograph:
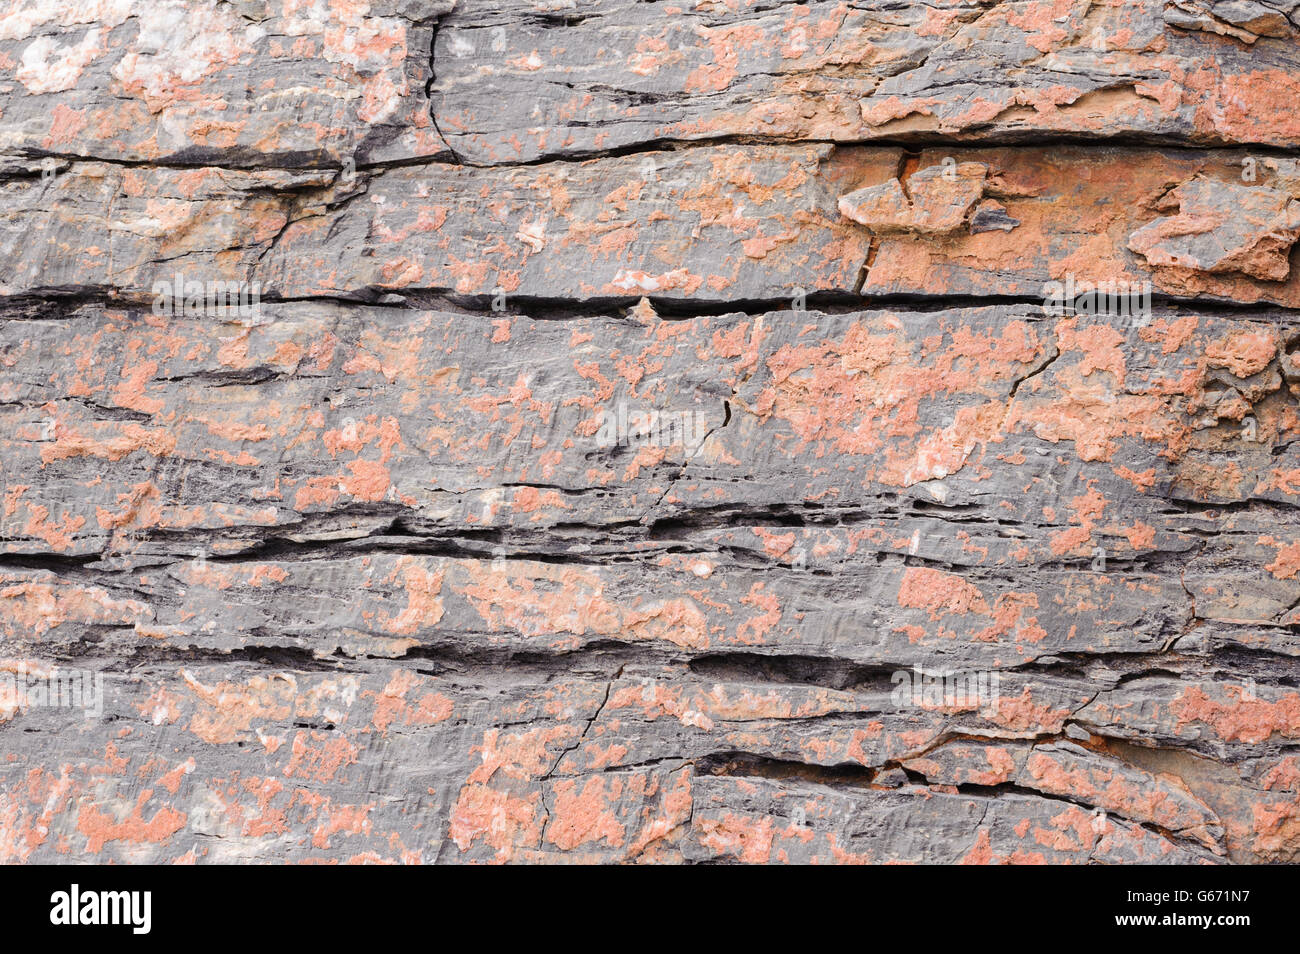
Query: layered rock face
[620,431]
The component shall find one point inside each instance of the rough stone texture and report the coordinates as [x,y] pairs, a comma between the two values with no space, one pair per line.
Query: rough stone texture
[242,83]
[368,580]
[522,79]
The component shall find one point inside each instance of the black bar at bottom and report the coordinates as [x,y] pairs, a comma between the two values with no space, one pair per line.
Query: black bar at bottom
[333,905]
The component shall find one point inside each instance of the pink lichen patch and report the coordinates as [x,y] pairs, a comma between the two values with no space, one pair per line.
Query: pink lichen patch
[1287,564]
[522,755]
[1239,717]
[101,827]
[320,755]
[583,816]
[227,710]
[742,837]
[392,706]
[1277,830]
[1244,353]
[423,602]
[940,594]
[754,629]
[107,440]
[33,608]
[1021,713]
[505,822]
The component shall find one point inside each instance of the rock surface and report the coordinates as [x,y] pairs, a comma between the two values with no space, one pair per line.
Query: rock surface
[737,432]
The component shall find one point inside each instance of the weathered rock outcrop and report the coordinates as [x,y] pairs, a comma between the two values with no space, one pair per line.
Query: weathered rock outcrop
[442,431]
